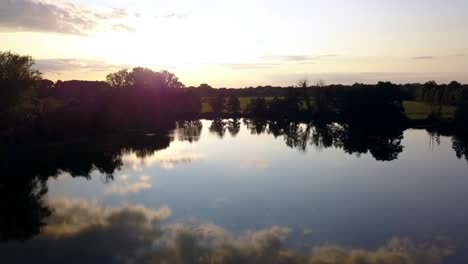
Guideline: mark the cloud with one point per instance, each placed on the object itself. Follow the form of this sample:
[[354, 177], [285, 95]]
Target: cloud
[[293, 58], [172, 16], [124, 186], [72, 217], [58, 17], [123, 28], [424, 58], [166, 160], [86, 232], [369, 77], [301, 59], [57, 66], [248, 66]]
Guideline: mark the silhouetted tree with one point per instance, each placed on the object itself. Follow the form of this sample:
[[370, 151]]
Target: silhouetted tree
[[144, 78], [433, 94], [218, 104], [17, 82], [321, 98], [120, 79], [292, 103], [461, 114], [233, 105], [257, 107], [304, 85]]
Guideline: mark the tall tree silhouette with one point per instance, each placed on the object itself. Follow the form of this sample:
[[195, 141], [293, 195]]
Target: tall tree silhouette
[[17, 82], [233, 105]]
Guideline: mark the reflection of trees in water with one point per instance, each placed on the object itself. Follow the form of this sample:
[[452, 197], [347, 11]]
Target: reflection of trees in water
[[189, 130], [219, 127], [23, 212], [459, 140], [460, 145], [384, 143], [25, 172], [233, 126], [256, 126]]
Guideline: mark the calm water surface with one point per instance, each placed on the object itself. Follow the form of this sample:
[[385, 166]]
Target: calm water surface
[[224, 193]]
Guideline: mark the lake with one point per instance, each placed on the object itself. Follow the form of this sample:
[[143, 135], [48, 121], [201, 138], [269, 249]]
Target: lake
[[240, 191]]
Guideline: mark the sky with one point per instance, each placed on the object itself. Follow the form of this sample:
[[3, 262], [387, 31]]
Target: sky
[[243, 42]]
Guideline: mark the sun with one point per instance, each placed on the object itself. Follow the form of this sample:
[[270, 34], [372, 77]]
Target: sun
[[173, 45]]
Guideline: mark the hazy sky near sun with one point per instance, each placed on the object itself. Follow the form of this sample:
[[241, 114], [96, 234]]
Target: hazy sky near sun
[[243, 42]]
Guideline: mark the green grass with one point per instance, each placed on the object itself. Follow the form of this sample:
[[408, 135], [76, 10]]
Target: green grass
[[413, 109], [244, 102], [206, 107], [420, 110]]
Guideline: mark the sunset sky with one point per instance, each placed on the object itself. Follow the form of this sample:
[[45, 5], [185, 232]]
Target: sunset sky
[[243, 42]]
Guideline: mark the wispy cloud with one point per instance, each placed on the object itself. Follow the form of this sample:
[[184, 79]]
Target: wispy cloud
[[162, 159], [369, 77], [123, 27], [293, 58], [126, 185], [298, 59], [58, 66], [248, 66], [58, 17], [424, 58], [172, 16]]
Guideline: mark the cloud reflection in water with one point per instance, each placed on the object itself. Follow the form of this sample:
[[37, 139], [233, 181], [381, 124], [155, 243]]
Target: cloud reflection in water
[[85, 232]]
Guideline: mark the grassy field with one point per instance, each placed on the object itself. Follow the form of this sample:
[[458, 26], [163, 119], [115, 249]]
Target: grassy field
[[244, 101], [413, 109], [420, 110]]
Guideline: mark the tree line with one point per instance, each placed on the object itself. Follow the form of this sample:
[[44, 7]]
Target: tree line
[[143, 99]]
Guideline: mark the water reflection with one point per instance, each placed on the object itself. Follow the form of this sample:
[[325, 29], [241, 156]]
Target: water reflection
[[188, 130], [84, 232], [58, 228], [384, 143], [23, 211], [219, 126], [460, 145]]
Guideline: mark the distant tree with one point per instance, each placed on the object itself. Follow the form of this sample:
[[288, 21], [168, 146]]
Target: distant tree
[[455, 85], [17, 82], [304, 84], [170, 80], [461, 114], [276, 108], [204, 86], [292, 103], [455, 90], [257, 107], [431, 94], [119, 79], [321, 97], [144, 78], [233, 105], [218, 103]]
